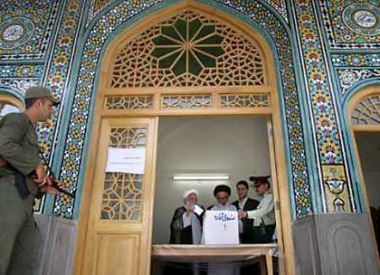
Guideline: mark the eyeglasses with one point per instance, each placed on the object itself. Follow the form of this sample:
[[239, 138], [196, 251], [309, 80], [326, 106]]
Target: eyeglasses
[[222, 198]]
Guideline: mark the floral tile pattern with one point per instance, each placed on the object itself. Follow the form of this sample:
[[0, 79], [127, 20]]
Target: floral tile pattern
[[26, 28]]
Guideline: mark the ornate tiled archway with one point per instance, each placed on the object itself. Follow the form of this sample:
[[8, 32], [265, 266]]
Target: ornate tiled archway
[[116, 19], [189, 59]]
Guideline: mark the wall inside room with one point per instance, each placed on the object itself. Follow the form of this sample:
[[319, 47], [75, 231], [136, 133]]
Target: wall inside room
[[236, 145], [369, 150]]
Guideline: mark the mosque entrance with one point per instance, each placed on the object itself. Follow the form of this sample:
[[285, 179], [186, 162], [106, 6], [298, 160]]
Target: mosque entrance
[[186, 61]]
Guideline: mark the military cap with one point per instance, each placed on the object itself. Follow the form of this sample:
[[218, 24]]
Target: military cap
[[40, 92], [258, 180]]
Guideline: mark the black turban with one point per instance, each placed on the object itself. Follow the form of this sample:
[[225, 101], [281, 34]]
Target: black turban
[[222, 188]]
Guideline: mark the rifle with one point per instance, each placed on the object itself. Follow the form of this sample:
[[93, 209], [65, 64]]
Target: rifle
[[55, 181]]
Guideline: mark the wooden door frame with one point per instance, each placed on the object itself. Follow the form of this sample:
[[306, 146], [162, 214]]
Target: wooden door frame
[[280, 195], [90, 188], [278, 160]]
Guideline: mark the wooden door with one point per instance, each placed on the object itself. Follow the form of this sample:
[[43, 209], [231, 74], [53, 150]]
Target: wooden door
[[118, 235]]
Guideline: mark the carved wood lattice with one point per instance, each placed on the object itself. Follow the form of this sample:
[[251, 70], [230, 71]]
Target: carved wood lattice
[[129, 102], [367, 111], [244, 100], [186, 101], [122, 193], [189, 49]]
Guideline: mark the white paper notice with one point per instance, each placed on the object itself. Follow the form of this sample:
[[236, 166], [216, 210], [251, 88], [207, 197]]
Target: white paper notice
[[126, 160], [221, 227]]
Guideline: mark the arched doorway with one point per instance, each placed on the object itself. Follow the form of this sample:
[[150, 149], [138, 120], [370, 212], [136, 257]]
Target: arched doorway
[[364, 114], [187, 60], [9, 104]]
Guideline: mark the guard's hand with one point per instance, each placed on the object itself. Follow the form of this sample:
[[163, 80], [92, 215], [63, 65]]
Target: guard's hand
[[52, 186], [60, 184], [40, 178], [242, 214], [49, 189], [3, 162]]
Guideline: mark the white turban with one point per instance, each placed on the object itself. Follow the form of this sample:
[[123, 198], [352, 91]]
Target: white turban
[[188, 192]]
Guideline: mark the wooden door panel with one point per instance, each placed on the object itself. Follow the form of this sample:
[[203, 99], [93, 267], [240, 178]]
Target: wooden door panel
[[120, 218], [117, 254]]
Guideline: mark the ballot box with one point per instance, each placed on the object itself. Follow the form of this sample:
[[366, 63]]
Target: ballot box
[[221, 227]]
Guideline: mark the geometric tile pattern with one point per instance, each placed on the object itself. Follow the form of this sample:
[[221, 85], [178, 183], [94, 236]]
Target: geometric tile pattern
[[280, 7], [96, 7], [26, 28], [57, 73], [363, 19], [351, 24], [357, 59], [64, 206], [57, 78], [32, 52], [327, 133], [318, 87], [21, 71]]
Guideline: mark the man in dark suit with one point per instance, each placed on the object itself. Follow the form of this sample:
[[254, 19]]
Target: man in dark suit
[[246, 232], [245, 203]]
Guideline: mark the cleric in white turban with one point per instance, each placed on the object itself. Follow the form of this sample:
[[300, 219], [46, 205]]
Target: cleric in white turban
[[186, 225]]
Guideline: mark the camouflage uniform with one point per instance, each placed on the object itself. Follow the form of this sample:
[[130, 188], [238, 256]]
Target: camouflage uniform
[[18, 232]]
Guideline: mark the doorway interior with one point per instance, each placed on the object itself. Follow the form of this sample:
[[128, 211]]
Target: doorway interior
[[368, 144], [236, 146]]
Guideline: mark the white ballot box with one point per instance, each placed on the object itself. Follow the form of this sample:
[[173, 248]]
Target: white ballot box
[[221, 227]]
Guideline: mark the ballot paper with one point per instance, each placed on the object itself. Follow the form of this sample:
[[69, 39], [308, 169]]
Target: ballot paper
[[198, 210], [221, 227]]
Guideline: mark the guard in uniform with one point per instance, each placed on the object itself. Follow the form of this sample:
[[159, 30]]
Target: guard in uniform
[[22, 177], [264, 217]]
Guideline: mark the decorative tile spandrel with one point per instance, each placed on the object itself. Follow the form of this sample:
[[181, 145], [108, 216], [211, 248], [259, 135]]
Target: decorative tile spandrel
[[335, 188]]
